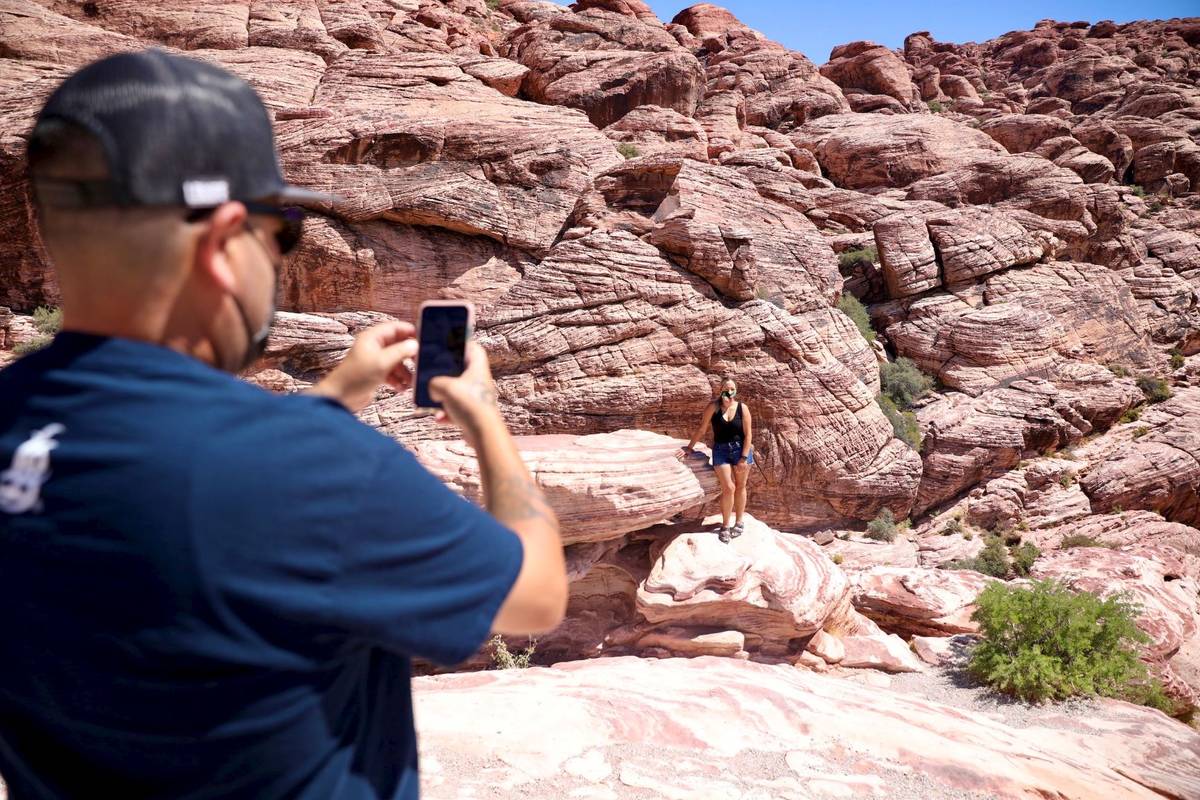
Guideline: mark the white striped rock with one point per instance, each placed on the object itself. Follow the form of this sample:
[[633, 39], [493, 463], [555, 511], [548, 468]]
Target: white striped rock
[[914, 601], [724, 728]]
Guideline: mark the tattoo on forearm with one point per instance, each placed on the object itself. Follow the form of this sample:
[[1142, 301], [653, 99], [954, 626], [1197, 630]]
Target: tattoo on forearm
[[516, 498]]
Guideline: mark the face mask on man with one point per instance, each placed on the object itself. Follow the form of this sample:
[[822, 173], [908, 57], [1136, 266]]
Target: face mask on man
[[257, 338]]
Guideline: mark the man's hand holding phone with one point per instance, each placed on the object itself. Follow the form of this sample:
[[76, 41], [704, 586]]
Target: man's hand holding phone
[[378, 356], [469, 400]]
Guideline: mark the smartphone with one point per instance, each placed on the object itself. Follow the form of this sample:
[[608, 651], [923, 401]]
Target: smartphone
[[443, 328]]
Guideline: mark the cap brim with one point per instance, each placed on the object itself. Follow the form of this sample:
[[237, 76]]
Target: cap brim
[[295, 195]]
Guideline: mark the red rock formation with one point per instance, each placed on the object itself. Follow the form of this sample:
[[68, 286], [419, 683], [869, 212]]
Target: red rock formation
[[1158, 471]]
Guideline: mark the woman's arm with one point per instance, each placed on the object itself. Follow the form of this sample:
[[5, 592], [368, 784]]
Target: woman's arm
[[747, 430], [705, 421]]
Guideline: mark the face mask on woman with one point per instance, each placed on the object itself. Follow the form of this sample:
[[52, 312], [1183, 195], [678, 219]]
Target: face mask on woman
[[728, 394]]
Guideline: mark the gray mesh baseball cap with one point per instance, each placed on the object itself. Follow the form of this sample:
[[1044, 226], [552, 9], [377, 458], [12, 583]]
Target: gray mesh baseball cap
[[176, 132]]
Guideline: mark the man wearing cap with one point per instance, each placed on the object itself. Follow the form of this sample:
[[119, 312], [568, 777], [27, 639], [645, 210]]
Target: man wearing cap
[[210, 590]]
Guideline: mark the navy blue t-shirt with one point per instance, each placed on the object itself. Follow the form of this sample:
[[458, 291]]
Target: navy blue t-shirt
[[208, 590]]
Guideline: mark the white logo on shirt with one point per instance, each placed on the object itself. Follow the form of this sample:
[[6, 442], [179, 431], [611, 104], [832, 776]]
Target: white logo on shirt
[[21, 484]]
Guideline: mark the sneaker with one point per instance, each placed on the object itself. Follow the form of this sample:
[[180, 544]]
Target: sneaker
[[738, 530]]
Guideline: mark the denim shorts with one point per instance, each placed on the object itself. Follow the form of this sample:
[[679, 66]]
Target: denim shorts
[[729, 453]]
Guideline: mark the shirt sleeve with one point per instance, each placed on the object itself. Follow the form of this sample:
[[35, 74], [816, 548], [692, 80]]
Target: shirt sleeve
[[421, 570]]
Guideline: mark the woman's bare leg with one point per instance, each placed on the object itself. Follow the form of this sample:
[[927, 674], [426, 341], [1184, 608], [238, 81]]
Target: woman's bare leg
[[741, 475], [725, 475]]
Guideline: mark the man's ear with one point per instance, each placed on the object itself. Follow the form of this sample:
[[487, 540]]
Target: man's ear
[[212, 248]]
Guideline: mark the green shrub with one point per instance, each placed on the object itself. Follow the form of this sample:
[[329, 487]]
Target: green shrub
[[1067, 480], [1138, 190], [838, 558], [628, 150], [883, 527], [1023, 525], [503, 658], [1046, 642], [1118, 370], [904, 382], [1081, 540], [992, 559], [32, 346], [952, 527], [1176, 358], [1155, 389], [493, 4], [48, 321], [1023, 557], [935, 107], [1132, 415], [904, 423], [968, 535], [1140, 432], [863, 255], [852, 308]]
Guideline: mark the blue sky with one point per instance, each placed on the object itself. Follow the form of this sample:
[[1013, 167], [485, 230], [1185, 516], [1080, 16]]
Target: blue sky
[[814, 28]]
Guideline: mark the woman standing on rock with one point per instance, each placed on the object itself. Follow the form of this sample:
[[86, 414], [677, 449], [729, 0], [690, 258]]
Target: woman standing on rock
[[732, 453]]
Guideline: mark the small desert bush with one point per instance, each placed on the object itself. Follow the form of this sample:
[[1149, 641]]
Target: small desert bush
[[838, 558], [863, 255], [1155, 389], [904, 423], [992, 559], [1023, 556], [936, 107], [1132, 415], [952, 527], [1140, 432], [1138, 190], [852, 308], [883, 527], [48, 321], [1067, 480], [1118, 370], [628, 150], [1081, 540], [1046, 642], [503, 658], [904, 382], [1176, 358]]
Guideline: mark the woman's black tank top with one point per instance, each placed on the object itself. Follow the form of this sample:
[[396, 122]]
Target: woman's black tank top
[[730, 431]]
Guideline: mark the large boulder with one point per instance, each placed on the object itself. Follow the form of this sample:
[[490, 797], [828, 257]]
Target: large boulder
[[869, 68], [866, 151], [601, 486], [918, 602], [414, 139], [971, 439], [1158, 471], [605, 63]]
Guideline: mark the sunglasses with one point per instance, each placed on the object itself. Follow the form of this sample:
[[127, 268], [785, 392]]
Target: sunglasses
[[288, 235]]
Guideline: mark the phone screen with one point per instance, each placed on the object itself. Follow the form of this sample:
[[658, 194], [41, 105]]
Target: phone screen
[[443, 344]]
